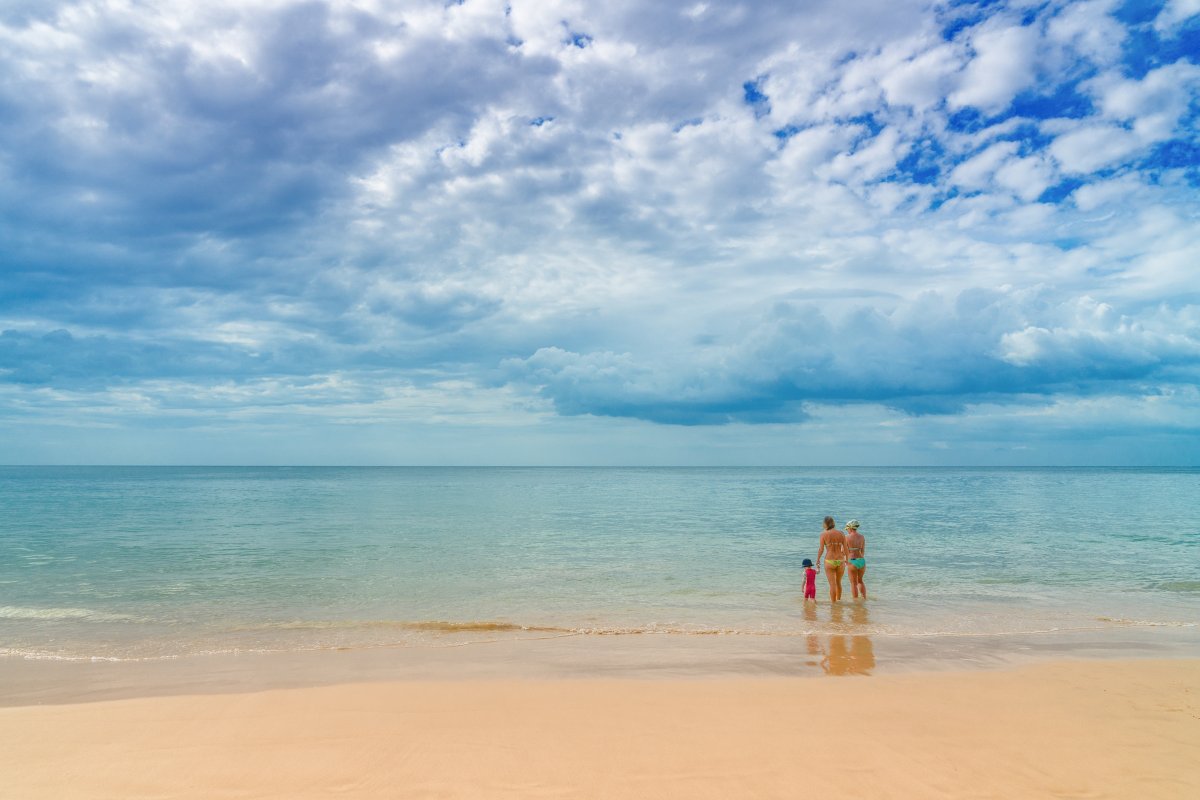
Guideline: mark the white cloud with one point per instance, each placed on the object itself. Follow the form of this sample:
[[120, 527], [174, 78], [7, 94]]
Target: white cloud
[[1154, 104], [1089, 29], [1175, 12], [814, 147], [1003, 65], [922, 81], [1087, 149], [1096, 195], [1027, 178], [1093, 331], [872, 159], [977, 172]]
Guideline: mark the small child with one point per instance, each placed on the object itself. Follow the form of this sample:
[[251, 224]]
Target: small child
[[810, 580]]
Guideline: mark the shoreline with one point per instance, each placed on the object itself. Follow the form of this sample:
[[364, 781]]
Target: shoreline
[[657, 657], [1102, 728]]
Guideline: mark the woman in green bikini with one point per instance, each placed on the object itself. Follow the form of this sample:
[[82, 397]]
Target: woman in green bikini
[[833, 547], [856, 548]]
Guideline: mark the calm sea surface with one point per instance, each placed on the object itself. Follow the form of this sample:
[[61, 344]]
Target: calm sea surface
[[112, 562]]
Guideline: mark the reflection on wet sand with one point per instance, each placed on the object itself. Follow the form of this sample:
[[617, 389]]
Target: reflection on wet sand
[[842, 651]]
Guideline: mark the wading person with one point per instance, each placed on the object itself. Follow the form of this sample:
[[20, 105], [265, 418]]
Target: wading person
[[856, 549], [833, 547]]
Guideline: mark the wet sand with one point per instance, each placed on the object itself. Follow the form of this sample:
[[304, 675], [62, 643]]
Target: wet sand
[[1060, 729], [506, 656]]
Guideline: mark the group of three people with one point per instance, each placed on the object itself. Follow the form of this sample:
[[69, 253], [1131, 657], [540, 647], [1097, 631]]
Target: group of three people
[[843, 551]]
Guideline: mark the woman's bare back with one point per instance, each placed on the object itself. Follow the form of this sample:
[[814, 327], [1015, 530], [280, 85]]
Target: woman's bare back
[[834, 542]]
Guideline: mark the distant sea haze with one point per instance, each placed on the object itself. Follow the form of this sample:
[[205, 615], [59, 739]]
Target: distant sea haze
[[153, 562]]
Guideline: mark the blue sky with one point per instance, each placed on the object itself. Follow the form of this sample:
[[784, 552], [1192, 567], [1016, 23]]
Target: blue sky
[[562, 232]]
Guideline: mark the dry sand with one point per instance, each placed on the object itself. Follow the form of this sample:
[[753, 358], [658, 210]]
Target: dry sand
[[1120, 729]]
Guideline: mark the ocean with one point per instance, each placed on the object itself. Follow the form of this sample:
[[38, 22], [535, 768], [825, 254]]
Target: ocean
[[143, 563]]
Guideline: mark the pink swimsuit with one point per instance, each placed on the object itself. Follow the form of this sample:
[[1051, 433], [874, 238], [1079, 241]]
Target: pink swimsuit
[[810, 583]]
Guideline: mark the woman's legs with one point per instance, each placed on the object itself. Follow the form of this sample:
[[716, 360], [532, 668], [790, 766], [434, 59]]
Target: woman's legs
[[857, 586], [834, 574]]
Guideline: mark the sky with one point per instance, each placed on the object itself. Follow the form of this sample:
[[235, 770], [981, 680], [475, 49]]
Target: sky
[[813, 232]]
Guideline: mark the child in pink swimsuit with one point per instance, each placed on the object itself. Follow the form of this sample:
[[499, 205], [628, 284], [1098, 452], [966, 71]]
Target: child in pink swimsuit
[[810, 580]]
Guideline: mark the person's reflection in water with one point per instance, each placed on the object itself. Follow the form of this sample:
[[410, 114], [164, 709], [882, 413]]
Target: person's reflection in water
[[813, 639], [846, 653], [862, 651]]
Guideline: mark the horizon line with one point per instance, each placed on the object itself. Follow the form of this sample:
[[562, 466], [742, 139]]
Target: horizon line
[[618, 466]]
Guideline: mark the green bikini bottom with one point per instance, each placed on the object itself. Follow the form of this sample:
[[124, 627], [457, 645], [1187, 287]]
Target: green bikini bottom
[[858, 563]]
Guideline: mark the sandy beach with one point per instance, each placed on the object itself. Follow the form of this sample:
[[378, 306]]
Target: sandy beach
[[1058, 729]]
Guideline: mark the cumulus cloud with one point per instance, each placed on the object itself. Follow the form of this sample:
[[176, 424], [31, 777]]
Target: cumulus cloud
[[1096, 337], [1084, 150], [1003, 64], [934, 353], [922, 80], [1153, 105], [224, 119], [977, 171], [1089, 29]]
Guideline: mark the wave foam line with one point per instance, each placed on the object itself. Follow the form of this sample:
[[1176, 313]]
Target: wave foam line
[[23, 612], [485, 627], [41, 655], [428, 626], [476, 626], [1146, 623]]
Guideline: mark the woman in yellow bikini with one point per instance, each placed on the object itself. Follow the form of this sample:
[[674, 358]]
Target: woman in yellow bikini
[[833, 547]]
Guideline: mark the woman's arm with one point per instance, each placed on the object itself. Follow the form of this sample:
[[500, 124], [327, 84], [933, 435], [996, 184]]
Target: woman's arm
[[820, 549]]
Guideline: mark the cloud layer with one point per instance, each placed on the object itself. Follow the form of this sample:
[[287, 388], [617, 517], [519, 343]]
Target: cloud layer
[[538, 216]]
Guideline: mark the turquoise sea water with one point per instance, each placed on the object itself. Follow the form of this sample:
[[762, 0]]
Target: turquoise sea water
[[114, 562]]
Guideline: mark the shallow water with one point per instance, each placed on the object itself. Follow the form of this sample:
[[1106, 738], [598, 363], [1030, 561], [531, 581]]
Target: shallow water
[[113, 562]]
